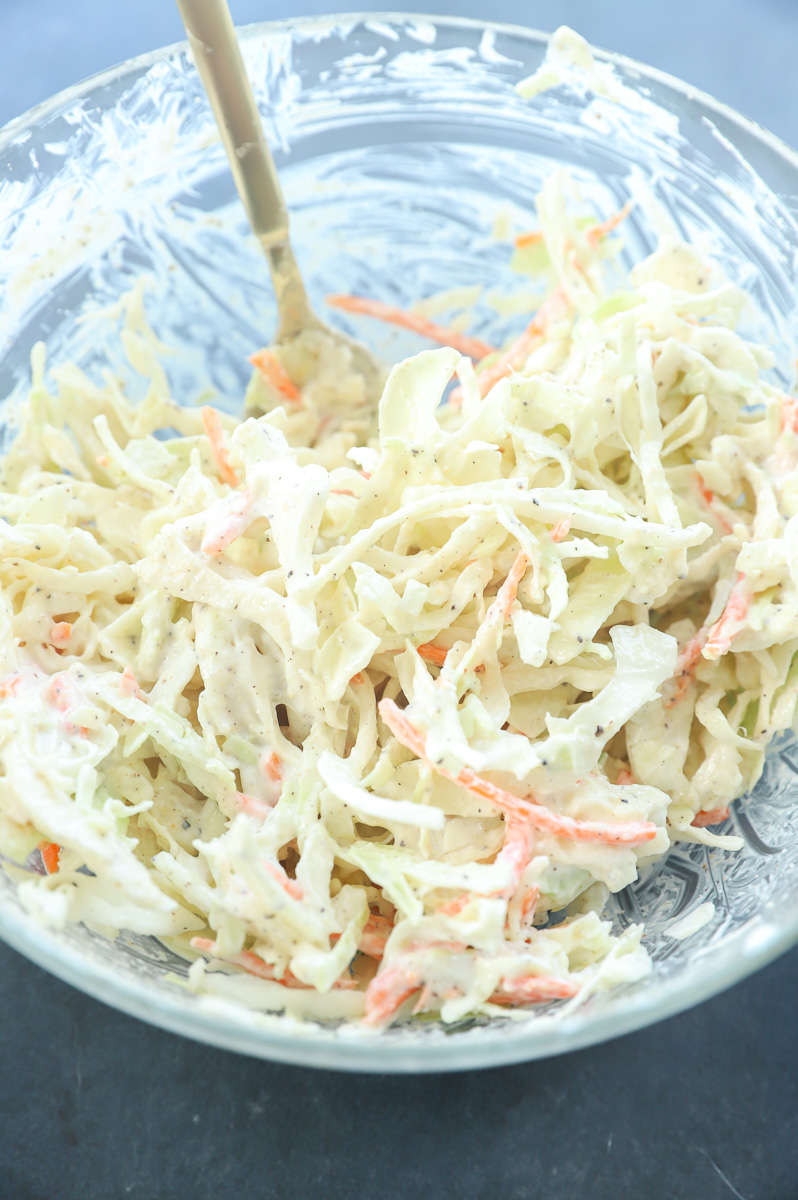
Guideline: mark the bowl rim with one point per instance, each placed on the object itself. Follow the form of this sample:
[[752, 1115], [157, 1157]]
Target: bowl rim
[[490, 1045]]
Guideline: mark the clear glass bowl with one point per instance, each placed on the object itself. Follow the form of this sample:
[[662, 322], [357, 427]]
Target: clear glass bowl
[[399, 140]]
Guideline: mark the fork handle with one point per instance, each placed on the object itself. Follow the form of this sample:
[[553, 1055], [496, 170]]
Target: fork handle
[[213, 41]]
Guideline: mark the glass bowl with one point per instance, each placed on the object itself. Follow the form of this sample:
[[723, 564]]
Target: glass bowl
[[406, 156]]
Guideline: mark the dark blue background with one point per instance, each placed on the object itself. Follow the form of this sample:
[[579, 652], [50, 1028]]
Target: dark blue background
[[702, 1107]]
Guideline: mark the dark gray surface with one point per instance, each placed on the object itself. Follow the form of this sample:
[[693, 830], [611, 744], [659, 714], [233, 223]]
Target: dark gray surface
[[95, 1106], [702, 1107]]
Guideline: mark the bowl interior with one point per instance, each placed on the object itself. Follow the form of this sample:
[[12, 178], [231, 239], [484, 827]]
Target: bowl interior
[[408, 161]]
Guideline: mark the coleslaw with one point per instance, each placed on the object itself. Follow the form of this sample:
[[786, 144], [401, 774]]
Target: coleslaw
[[353, 719]]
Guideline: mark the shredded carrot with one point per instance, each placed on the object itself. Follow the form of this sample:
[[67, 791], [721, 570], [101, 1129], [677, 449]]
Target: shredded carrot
[[10, 685], [223, 530], [726, 628], [532, 238], [247, 961], [215, 434], [789, 414], [515, 853], [597, 232], [60, 694], [102, 460], [341, 492], [375, 934], [503, 602], [358, 678], [712, 816], [453, 907], [529, 902], [537, 815], [707, 495], [718, 639], [594, 234], [625, 777], [713, 504], [252, 806], [500, 606], [256, 966], [65, 696], [473, 347], [272, 766], [505, 597], [60, 633], [533, 989], [51, 853], [517, 353], [290, 886], [686, 665], [128, 685], [275, 373], [388, 990], [785, 457], [432, 654], [561, 530]]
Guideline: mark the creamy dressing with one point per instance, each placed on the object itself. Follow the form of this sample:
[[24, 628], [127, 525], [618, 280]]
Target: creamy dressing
[[349, 704]]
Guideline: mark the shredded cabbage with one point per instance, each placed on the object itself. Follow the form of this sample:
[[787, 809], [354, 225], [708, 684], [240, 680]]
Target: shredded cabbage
[[345, 719]]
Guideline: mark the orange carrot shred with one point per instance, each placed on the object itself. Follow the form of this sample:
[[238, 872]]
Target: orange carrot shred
[[711, 816], [374, 936], [561, 530], [51, 853], [597, 232], [60, 633], [506, 595], [252, 806], [594, 234], [10, 685], [66, 695], [515, 853], [531, 897], [128, 685], [388, 990], [789, 414], [517, 353], [275, 373], [713, 504], [290, 886], [215, 434], [533, 989], [528, 239], [432, 654], [272, 766], [435, 654], [453, 907], [686, 665], [537, 815], [255, 965], [471, 346], [726, 628]]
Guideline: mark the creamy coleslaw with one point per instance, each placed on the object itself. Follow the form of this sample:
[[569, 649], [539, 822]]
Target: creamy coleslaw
[[372, 722]]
